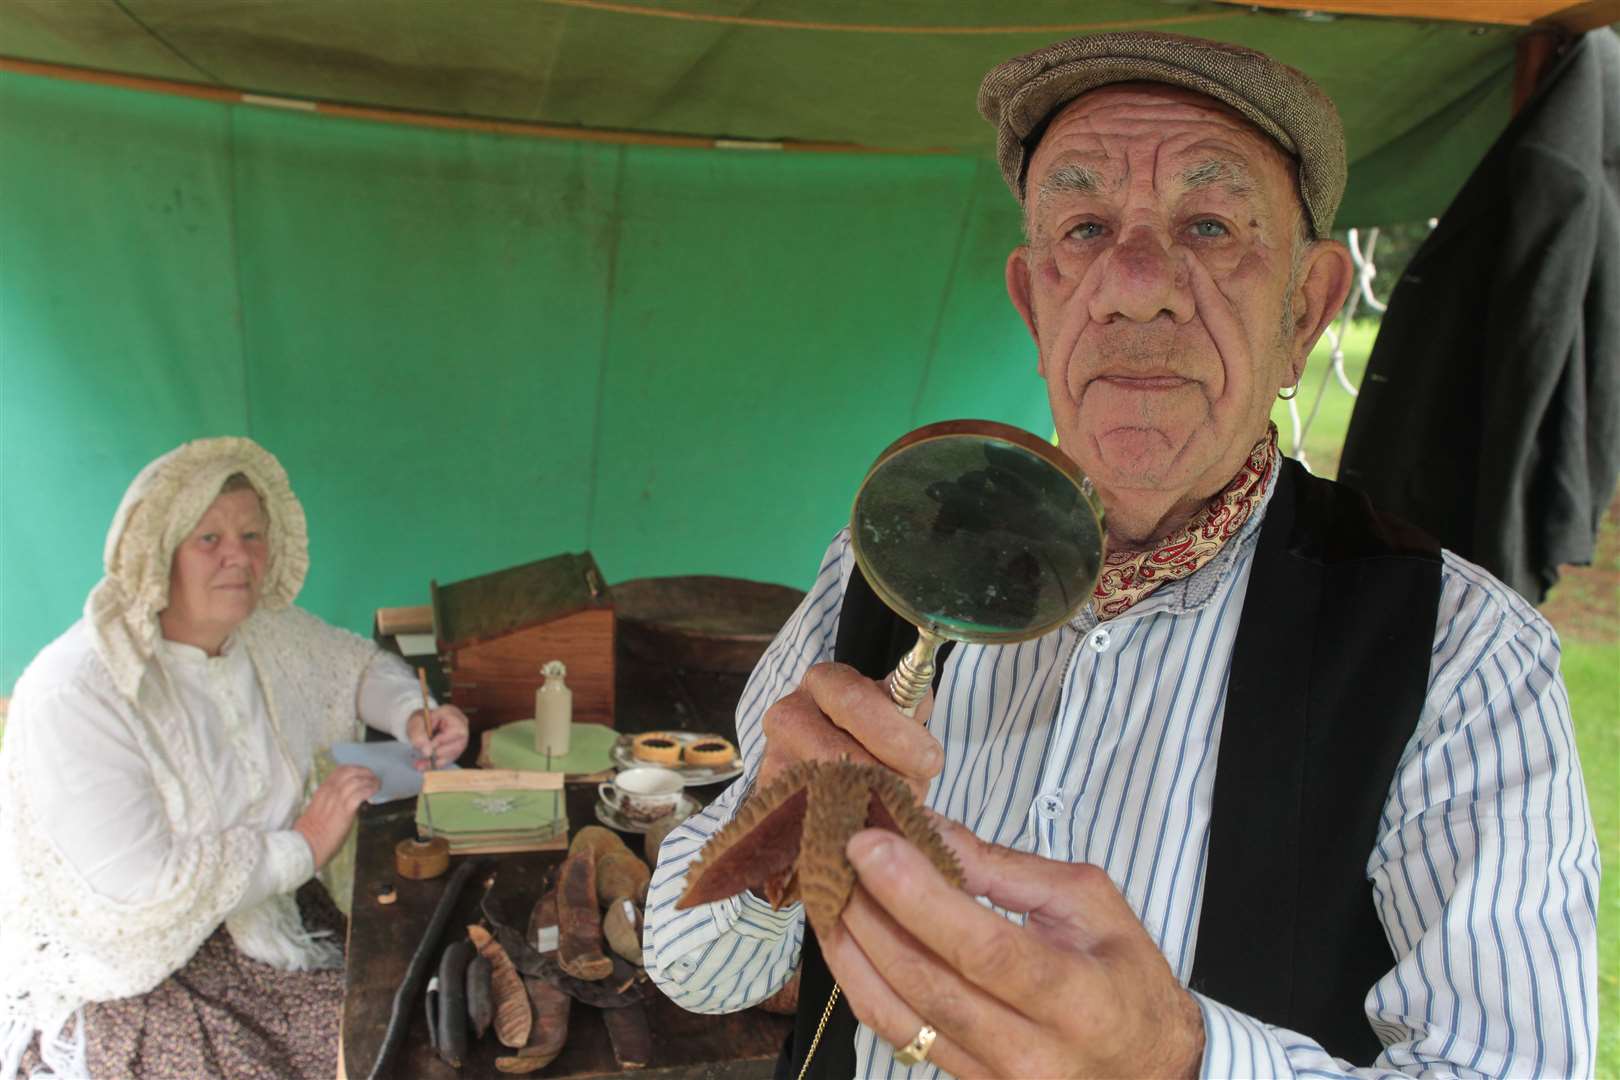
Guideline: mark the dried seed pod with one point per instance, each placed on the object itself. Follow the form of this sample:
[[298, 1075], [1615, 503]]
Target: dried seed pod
[[547, 1033], [451, 1026], [621, 874], [579, 920], [512, 1013], [630, 1035], [622, 928], [480, 995], [599, 840], [787, 841], [654, 837]]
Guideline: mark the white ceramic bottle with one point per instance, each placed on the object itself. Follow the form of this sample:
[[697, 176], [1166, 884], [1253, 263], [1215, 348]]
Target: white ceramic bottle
[[553, 711]]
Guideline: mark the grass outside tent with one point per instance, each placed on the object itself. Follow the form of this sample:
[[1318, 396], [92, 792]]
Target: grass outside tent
[[1585, 610]]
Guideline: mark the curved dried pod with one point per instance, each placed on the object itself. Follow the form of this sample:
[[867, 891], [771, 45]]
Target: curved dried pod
[[448, 1008], [598, 840], [619, 873], [513, 1016], [547, 1033], [579, 920], [653, 839]]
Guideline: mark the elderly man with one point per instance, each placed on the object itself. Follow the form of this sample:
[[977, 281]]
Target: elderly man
[[1296, 794]]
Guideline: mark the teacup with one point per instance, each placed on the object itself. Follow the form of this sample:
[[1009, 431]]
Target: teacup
[[643, 794]]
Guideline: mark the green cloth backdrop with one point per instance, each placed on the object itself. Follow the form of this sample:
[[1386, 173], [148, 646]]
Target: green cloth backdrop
[[472, 351]]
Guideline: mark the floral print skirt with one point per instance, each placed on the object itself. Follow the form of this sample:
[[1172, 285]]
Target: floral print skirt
[[224, 1015]]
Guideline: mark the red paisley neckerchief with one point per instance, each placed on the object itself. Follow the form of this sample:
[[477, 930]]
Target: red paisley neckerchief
[[1129, 576]]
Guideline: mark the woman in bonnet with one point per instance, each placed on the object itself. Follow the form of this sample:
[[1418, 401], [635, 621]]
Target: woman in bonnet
[[158, 810]]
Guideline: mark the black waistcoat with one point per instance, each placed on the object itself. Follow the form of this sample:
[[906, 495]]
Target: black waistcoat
[[1328, 677]]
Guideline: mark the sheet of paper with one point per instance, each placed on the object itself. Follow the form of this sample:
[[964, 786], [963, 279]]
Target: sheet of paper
[[394, 763], [416, 644]]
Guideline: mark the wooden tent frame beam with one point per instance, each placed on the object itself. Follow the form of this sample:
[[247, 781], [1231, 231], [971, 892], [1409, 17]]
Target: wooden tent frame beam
[[1576, 18]]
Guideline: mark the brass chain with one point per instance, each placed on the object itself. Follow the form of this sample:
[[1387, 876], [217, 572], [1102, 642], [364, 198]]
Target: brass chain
[[826, 1014]]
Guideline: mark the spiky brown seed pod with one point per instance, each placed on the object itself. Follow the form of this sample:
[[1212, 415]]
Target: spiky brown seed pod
[[787, 840]]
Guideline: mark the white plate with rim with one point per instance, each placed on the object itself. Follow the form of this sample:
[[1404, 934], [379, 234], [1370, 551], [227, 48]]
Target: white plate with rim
[[624, 756]]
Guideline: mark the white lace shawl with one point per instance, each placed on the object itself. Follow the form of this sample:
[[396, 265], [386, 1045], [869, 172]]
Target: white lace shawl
[[62, 944]]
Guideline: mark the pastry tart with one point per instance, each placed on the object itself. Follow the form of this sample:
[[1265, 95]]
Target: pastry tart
[[709, 751], [657, 747]]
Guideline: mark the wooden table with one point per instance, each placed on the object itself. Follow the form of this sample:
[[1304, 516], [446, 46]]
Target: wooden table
[[382, 938]]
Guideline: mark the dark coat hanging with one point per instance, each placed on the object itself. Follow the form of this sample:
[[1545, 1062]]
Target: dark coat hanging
[[1490, 412]]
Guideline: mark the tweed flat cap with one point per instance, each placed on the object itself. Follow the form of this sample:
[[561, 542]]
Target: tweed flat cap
[[1020, 96]]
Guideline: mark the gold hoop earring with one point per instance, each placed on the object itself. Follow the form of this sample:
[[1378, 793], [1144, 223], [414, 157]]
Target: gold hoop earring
[[1289, 393]]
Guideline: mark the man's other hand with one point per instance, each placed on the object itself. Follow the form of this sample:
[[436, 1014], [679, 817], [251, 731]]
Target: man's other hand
[[1079, 990], [835, 713]]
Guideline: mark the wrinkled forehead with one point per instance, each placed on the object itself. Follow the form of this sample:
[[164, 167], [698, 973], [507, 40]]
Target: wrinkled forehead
[[1181, 125]]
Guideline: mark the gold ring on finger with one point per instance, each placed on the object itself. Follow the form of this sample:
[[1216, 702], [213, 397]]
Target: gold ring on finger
[[915, 1052]]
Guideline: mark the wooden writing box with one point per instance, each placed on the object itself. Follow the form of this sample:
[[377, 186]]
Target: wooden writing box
[[495, 631]]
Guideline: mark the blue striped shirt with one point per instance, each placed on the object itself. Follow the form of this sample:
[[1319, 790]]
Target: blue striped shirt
[[1097, 743]]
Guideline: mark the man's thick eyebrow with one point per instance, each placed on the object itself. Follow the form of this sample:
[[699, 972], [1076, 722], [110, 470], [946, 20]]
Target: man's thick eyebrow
[[1072, 178], [1235, 175]]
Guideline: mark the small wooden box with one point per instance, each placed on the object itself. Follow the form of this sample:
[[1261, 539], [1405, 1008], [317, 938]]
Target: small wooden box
[[494, 632]]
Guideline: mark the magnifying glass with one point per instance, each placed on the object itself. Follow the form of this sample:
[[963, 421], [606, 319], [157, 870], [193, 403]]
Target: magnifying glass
[[977, 532]]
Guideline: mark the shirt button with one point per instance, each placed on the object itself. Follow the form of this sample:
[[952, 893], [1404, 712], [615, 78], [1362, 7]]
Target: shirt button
[[1050, 806], [1099, 639]]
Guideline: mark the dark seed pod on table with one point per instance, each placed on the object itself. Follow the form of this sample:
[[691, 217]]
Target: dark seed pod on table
[[451, 1026], [480, 1000], [631, 1036], [579, 920]]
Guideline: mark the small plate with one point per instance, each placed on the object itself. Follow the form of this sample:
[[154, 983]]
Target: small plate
[[614, 820], [624, 756]]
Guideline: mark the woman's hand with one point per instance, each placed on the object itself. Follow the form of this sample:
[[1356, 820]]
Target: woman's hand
[[326, 821], [438, 737]]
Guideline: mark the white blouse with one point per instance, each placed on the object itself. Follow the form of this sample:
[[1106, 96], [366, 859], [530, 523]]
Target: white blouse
[[105, 815]]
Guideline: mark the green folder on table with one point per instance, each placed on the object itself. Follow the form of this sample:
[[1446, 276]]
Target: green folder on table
[[479, 810]]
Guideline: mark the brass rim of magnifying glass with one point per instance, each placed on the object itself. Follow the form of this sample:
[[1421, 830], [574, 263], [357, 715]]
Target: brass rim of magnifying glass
[[1007, 433]]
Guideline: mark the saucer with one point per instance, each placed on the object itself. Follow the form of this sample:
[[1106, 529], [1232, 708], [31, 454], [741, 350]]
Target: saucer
[[614, 820]]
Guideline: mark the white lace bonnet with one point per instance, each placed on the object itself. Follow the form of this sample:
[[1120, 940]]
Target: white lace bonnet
[[159, 510]]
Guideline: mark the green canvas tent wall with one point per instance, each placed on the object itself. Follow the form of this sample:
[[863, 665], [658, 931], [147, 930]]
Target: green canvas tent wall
[[505, 279]]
